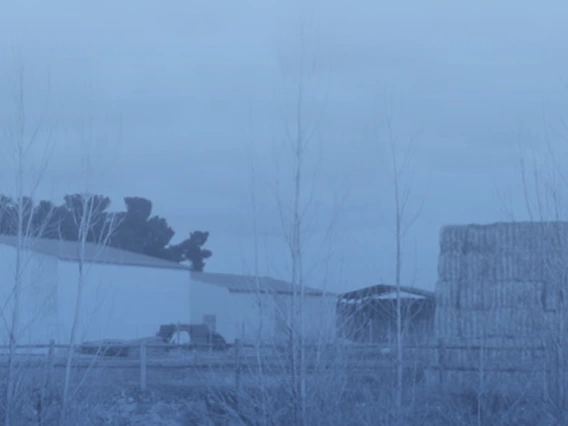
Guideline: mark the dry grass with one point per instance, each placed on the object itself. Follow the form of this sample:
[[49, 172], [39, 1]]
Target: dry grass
[[339, 393], [332, 401]]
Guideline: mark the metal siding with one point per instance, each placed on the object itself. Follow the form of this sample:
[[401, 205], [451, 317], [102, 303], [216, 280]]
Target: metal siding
[[122, 302]]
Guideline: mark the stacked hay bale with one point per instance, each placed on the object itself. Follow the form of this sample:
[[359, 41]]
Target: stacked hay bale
[[499, 300]]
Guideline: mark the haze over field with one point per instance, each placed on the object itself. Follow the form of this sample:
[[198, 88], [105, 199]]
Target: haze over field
[[183, 96]]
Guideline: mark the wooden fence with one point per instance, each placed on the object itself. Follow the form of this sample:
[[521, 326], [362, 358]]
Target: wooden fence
[[437, 361]]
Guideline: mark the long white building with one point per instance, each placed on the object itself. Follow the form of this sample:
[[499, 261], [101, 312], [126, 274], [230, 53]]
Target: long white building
[[129, 295]]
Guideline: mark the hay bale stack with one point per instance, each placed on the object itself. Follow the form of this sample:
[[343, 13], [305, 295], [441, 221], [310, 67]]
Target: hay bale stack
[[501, 285]]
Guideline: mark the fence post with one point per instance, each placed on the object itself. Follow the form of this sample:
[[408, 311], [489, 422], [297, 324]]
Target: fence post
[[46, 380], [49, 364], [143, 365], [50, 355], [238, 354], [441, 361]]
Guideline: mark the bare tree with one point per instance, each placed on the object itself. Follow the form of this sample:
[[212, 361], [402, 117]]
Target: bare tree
[[88, 220], [542, 195], [295, 215], [28, 143], [295, 194], [544, 201], [404, 219], [94, 226]]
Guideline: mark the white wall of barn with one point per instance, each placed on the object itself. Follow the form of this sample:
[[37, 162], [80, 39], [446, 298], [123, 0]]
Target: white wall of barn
[[210, 299], [257, 316], [122, 302], [250, 316], [320, 324], [239, 315], [37, 310], [320, 318]]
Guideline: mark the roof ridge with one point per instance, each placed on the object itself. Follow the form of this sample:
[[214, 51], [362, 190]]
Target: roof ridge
[[96, 253]]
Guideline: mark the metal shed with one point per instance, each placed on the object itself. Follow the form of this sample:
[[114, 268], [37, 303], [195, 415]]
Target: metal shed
[[369, 314]]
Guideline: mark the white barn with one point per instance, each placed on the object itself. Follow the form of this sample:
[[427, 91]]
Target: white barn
[[252, 308], [126, 295], [129, 295]]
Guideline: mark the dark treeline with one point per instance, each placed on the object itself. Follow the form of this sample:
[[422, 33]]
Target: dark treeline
[[135, 229]]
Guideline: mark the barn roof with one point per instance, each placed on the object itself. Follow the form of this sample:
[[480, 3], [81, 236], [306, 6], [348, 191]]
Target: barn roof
[[387, 291], [250, 284], [94, 253]]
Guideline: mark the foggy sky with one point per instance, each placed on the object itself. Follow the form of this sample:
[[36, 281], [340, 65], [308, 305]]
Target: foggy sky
[[183, 97]]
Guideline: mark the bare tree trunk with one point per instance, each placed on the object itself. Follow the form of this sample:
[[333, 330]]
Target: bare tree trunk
[[297, 258], [292, 225], [402, 192], [72, 338], [398, 267], [90, 211], [256, 268], [399, 345], [21, 139], [544, 204], [293, 222], [16, 291]]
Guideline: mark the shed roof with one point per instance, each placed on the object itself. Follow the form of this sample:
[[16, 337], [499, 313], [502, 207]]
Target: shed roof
[[250, 284], [94, 253], [386, 291]]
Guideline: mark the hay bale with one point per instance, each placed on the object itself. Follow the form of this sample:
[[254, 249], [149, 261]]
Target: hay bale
[[509, 237], [520, 265], [501, 284]]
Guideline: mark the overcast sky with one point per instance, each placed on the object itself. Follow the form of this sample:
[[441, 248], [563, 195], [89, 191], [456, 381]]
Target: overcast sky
[[176, 101]]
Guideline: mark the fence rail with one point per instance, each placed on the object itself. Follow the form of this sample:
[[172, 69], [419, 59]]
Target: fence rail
[[240, 359]]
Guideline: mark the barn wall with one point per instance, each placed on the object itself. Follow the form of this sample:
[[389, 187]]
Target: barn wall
[[38, 295], [321, 318], [240, 315], [122, 302], [255, 314], [250, 316], [209, 299], [265, 316]]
